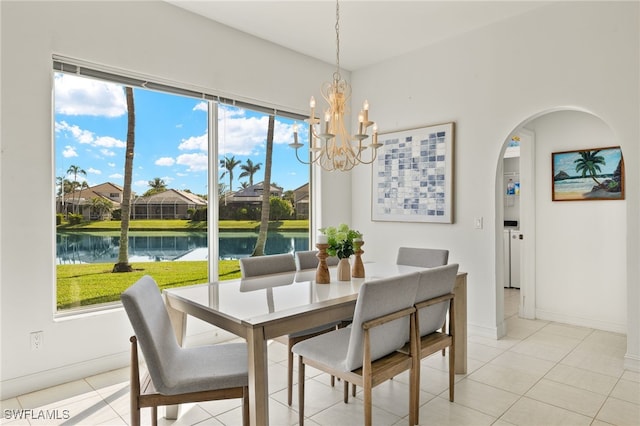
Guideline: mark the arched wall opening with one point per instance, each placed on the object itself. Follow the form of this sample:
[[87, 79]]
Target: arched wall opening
[[574, 252]]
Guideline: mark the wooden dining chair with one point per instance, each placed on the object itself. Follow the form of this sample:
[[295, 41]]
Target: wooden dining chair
[[279, 263], [425, 258], [308, 259], [366, 354], [175, 374], [434, 298]]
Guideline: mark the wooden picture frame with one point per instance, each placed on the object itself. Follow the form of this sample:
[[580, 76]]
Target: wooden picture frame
[[587, 174], [412, 177]]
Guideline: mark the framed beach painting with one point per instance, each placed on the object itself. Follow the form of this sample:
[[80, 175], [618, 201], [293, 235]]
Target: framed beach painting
[[588, 174], [413, 175]]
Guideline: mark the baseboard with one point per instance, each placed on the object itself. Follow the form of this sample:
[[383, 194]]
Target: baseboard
[[632, 362], [581, 321], [56, 376], [483, 331]]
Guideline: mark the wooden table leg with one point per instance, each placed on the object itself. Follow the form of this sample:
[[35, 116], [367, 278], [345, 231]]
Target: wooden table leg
[[460, 320], [258, 377]]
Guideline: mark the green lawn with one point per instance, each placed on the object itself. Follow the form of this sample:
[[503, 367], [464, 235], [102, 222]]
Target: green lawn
[[90, 284], [184, 225]]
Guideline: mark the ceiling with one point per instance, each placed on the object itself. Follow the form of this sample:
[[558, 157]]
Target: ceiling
[[370, 31]]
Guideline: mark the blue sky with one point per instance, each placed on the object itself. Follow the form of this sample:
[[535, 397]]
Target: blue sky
[[171, 137], [565, 162]]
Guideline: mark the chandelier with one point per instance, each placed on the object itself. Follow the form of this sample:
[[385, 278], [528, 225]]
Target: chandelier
[[330, 145]]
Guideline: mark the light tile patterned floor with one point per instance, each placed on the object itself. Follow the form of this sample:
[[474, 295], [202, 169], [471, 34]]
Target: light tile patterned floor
[[540, 374]]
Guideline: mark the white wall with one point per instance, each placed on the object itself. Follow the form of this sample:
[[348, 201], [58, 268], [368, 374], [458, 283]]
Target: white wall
[[490, 82], [580, 251], [153, 38]]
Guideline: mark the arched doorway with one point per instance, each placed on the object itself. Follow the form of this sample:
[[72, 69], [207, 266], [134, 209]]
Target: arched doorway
[[573, 254]]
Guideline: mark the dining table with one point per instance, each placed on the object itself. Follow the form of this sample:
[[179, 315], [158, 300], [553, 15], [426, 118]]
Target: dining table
[[262, 308]]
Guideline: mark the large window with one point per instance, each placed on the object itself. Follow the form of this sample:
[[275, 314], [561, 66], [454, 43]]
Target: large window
[[180, 173]]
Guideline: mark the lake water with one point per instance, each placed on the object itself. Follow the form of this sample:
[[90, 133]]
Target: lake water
[[159, 246]]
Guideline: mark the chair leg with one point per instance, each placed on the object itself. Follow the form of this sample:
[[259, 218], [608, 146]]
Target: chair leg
[[452, 371], [353, 390], [345, 397], [245, 406], [289, 373], [300, 390], [444, 330], [154, 415]]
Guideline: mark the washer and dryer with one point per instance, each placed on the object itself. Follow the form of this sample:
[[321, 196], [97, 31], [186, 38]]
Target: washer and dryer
[[511, 243]]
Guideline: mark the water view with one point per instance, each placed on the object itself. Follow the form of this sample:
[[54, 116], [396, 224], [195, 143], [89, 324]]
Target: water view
[[102, 247]]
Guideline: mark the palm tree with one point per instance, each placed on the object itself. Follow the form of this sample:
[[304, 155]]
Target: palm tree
[[228, 164], [75, 171], [244, 185], [157, 185], [123, 252], [100, 206], [249, 169], [589, 163], [266, 194]]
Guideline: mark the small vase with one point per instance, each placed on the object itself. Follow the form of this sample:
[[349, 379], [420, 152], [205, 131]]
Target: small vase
[[344, 270]]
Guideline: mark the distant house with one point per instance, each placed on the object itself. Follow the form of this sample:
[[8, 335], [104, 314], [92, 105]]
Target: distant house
[[301, 201], [79, 201], [169, 204], [251, 195]]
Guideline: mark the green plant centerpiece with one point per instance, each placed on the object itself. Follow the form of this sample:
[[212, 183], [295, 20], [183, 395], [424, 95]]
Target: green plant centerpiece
[[341, 240], [342, 243]]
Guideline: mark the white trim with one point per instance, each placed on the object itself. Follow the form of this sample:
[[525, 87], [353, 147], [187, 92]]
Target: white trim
[[43, 379], [480, 330], [560, 317], [632, 362]]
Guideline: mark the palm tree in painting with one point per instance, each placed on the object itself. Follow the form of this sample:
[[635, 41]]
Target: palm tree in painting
[[266, 193], [589, 163], [75, 171], [123, 251], [249, 169], [228, 164]]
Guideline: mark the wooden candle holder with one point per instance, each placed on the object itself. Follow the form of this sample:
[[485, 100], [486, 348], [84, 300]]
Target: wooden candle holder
[[322, 273], [357, 271]]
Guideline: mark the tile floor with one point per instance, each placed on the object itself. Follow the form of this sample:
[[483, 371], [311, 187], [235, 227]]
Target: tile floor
[[540, 374]]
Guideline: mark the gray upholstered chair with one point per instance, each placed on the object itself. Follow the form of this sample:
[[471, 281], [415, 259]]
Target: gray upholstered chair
[[177, 375], [278, 263], [309, 260], [366, 354], [264, 265], [433, 299], [423, 257]]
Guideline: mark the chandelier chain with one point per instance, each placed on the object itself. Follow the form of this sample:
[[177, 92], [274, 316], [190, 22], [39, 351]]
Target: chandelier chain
[[338, 40]]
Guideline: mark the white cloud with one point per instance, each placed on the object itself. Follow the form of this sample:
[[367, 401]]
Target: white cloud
[[165, 161], [141, 183], [199, 143], [84, 96], [87, 137], [111, 164], [182, 174], [116, 176], [107, 152], [202, 106], [242, 135], [109, 142], [69, 152], [194, 162], [94, 171]]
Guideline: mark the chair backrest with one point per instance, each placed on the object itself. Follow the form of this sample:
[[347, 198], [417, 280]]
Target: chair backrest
[[152, 327], [433, 283], [265, 265], [309, 260], [424, 257], [375, 299]]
